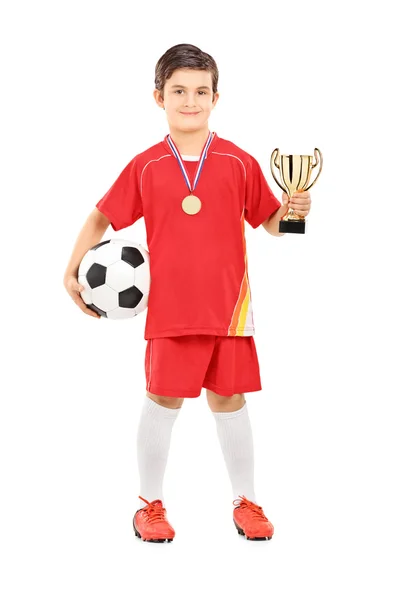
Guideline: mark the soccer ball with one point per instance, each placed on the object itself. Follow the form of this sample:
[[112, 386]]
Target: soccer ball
[[115, 275]]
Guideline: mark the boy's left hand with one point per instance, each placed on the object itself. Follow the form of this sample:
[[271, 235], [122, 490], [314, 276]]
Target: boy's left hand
[[300, 202]]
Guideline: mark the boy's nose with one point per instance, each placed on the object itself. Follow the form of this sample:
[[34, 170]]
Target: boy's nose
[[190, 101]]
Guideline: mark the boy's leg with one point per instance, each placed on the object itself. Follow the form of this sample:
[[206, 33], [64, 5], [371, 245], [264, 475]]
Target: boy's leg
[[153, 442], [236, 439], [233, 368], [176, 366]]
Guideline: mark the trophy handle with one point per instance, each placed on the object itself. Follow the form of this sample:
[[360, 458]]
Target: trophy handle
[[314, 165], [274, 161]]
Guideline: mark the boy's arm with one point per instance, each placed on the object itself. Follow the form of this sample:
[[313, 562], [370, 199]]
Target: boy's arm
[[272, 223], [90, 234]]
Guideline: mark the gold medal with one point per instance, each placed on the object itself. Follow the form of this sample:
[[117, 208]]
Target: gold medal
[[191, 205]]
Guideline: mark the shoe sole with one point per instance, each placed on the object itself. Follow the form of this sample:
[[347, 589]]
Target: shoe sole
[[241, 532], [159, 540]]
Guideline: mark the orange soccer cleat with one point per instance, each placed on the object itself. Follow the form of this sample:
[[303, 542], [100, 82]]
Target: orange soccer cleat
[[250, 520], [150, 523]]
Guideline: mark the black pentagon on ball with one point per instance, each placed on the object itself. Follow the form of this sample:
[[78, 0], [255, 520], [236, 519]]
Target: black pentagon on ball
[[130, 297], [96, 275], [97, 310], [100, 244], [133, 256]]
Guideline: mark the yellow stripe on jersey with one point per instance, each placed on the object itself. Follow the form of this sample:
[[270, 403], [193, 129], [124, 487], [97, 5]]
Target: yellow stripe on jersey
[[239, 317]]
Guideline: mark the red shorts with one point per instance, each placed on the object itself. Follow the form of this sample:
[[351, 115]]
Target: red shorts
[[180, 366]]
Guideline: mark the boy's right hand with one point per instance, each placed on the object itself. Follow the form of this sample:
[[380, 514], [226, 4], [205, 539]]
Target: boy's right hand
[[74, 288]]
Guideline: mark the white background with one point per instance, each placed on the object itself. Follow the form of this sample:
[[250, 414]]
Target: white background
[[77, 103]]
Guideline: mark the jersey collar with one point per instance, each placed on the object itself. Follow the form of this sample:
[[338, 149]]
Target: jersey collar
[[210, 147]]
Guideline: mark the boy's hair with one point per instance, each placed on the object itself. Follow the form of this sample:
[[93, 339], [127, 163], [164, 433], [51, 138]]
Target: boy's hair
[[184, 56]]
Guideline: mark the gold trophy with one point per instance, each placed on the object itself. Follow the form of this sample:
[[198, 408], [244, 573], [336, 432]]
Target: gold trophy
[[295, 171]]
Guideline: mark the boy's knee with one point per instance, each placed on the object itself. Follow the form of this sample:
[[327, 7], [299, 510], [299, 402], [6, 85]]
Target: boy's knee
[[167, 401], [219, 403]]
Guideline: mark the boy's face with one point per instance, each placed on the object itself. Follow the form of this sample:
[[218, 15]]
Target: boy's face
[[187, 91]]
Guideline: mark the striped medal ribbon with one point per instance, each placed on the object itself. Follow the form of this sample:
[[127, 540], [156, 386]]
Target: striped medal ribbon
[[191, 204]]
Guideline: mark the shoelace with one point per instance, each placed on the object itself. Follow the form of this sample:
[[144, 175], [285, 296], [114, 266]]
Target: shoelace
[[154, 513], [245, 503]]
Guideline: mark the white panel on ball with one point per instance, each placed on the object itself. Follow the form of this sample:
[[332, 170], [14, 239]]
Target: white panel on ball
[[107, 254], [121, 313], [120, 276], [142, 280], [105, 298]]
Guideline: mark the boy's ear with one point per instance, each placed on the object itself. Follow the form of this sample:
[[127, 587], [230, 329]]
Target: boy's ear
[[216, 96], [158, 98]]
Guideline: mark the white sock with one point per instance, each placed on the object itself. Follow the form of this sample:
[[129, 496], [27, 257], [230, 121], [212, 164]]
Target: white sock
[[153, 442], [236, 439]]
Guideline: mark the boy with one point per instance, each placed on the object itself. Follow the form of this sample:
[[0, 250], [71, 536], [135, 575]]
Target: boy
[[194, 190]]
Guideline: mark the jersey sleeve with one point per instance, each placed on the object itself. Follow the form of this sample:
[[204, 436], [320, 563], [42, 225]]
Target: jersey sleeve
[[122, 204], [260, 201]]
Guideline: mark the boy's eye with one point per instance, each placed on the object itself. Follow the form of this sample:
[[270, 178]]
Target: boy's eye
[[200, 92]]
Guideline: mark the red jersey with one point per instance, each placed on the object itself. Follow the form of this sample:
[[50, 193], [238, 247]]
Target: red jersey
[[198, 263]]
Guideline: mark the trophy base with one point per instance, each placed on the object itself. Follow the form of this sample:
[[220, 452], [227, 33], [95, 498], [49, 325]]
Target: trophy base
[[292, 226]]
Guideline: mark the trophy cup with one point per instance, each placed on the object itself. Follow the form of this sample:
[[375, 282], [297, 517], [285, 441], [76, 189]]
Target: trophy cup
[[295, 171]]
